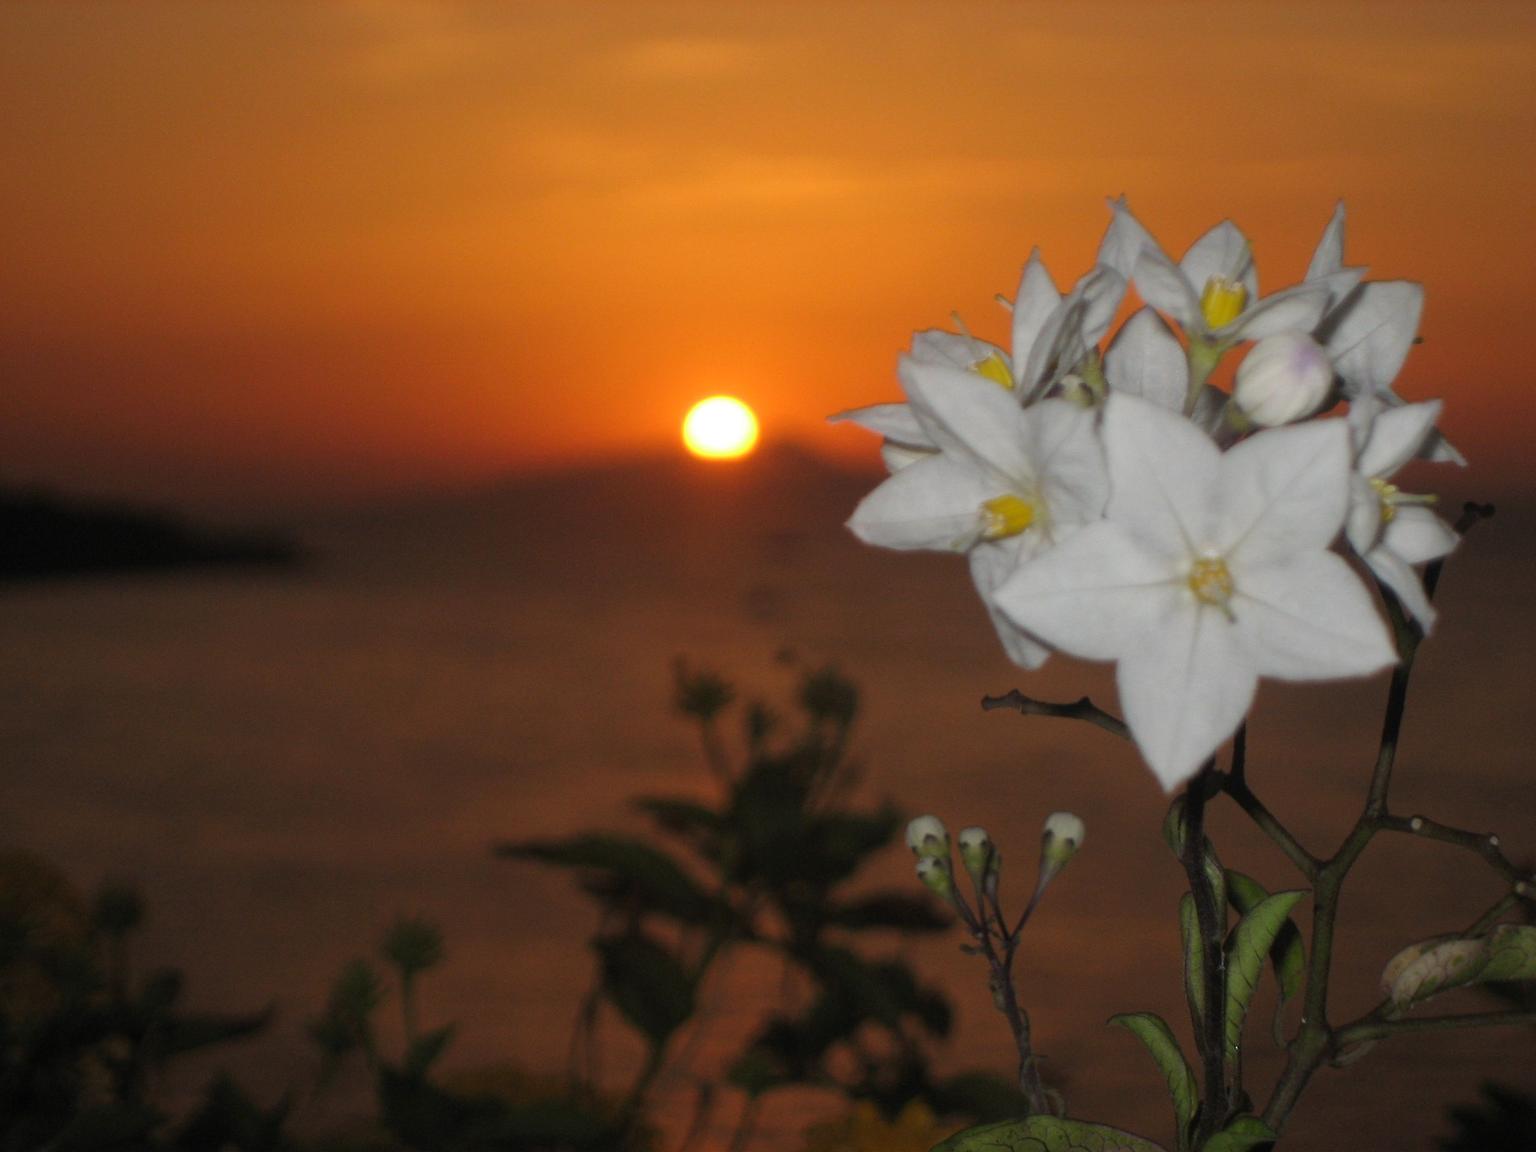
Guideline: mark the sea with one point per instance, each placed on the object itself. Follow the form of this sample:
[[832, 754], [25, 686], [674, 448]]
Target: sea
[[287, 761]]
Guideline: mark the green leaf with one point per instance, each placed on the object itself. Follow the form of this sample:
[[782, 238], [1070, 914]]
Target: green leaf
[[624, 871], [1152, 1031], [1511, 954], [646, 983], [1247, 947], [1194, 963], [1045, 1134], [1288, 954], [1242, 1135], [1430, 966]]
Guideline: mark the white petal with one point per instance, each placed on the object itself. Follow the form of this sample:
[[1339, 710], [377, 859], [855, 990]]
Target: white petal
[[970, 415], [936, 346], [1282, 491], [896, 456], [1063, 443], [1095, 595], [1162, 477], [1395, 573], [1418, 535], [1184, 691], [1362, 524], [1395, 436], [1294, 309], [1057, 349], [893, 421], [1124, 240], [1223, 252], [1310, 619], [991, 564], [1036, 300], [1340, 284], [933, 504], [1370, 333], [1329, 256], [1147, 360], [1101, 291], [1163, 286]]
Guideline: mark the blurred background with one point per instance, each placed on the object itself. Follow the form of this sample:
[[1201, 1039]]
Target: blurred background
[[343, 355]]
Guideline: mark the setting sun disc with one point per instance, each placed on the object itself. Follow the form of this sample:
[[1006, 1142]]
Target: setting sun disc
[[720, 428]]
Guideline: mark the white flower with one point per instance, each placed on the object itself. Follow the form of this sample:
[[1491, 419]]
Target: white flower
[[1146, 359], [1327, 264], [1283, 378], [1208, 571], [1004, 483], [1213, 292], [1391, 530]]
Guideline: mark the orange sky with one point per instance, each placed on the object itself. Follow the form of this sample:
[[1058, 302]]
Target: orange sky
[[259, 255]]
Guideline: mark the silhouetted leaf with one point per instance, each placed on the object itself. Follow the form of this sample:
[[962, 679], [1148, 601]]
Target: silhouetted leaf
[[1505, 1121], [624, 870], [426, 1050], [980, 1095], [646, 983], [181, 1034], [894, 911], [228, 1119]]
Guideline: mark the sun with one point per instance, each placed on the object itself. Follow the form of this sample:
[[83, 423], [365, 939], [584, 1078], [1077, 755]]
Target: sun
[[720, 428]]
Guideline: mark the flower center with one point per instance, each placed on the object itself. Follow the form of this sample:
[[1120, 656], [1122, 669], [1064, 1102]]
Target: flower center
[[1006, 515], [1222, 301], [995, 369], [1211, 582], [1391, 496]]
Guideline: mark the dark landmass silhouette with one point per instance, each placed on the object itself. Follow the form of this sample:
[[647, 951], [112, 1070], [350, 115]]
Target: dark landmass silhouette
[[44, 536]]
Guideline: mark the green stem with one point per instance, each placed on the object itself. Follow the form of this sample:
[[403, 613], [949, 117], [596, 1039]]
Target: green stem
[[1081, 709], [1211, 919], [1380, 1029]]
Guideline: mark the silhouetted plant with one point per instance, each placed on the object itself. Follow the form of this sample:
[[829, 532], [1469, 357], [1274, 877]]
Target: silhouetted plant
[[83, 1047], [763, 865]]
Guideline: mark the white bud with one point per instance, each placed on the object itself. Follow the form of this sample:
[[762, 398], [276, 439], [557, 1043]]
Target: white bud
[[975, 851], [1283, 378], [934, 872], [1062, 836], [927, 836]]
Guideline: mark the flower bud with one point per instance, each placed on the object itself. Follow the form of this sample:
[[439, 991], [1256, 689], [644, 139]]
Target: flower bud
[[1283, 378], [927, 836], [976, 851], [934, 872], [1059, 841]]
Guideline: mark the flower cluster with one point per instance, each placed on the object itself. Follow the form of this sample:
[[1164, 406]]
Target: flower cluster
[[1115, 504]]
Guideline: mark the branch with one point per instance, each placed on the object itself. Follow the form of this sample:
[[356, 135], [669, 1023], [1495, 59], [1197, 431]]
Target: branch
[[1482, 844], [1083, 709], [1379, 1030]]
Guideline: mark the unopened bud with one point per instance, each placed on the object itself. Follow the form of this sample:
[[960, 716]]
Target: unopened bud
[[976, 851], [927, 836], [1059, 841], [1283, 378], [934, 872]]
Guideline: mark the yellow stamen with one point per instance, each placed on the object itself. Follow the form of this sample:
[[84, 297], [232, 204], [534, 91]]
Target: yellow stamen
[[1006, 515], [995, 368], [1211, 582], [1391, 496], [1222, 301]]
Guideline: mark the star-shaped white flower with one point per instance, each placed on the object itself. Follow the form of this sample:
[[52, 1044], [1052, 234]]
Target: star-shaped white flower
[[1213, 292], [1051, 336], [1208, 571], [1389, 529], [1004, 483]]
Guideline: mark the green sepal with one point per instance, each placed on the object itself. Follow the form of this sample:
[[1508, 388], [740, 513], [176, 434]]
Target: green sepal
[[1154, 1032], [1045, 1134], [1288, 955], [1242, 1135], [1194, 964], [1248, 945], [1511, 954]]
